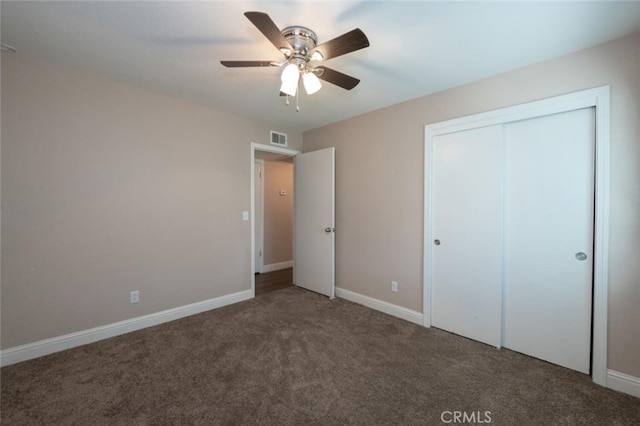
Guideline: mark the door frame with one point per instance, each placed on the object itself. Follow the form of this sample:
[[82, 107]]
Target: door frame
[[264, 148], [599, 98], [259, 217]]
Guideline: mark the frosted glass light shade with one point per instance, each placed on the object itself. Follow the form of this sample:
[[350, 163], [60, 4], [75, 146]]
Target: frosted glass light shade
[[290, 76], [311, 83]]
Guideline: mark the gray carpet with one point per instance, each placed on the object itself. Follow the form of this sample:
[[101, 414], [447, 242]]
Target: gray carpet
[[292, 357]]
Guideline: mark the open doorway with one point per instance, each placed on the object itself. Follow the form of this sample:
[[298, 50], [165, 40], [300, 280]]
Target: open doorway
[[272, 218]]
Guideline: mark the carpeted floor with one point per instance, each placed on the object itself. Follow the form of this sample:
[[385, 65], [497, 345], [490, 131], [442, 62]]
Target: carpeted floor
[[292, 357]]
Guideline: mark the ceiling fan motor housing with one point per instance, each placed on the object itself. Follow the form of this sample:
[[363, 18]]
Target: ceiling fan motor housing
[[303, 40]]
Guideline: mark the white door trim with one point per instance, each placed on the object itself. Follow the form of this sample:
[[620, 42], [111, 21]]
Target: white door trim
[[266, 148], [598, 98], [259, 219]]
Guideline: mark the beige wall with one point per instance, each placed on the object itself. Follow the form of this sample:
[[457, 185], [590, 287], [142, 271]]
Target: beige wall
[[379, 172], [278, 212], [107, 188]]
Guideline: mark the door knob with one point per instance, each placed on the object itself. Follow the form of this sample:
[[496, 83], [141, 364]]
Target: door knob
[[581, 256], [328, 229], [436, 242]]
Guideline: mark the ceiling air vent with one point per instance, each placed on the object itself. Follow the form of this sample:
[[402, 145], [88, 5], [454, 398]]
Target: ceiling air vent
[[279, 139]]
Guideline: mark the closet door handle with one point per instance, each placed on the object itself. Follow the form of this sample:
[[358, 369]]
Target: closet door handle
[[436, 242], [581, 256]]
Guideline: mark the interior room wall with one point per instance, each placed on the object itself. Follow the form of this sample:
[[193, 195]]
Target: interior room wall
[[108, 188], [278, 212], [380, 169]]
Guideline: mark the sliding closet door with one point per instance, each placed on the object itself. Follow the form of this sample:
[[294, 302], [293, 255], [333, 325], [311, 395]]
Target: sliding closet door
[[549, 237], [467, 230]]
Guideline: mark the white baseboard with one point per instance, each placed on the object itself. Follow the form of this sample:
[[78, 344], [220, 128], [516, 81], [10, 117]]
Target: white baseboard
[[68, 341], [388, 308], [623, 383], [277, 266]]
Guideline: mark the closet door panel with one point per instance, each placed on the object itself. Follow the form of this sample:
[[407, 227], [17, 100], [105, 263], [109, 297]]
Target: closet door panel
[[467, 224], [549, 237]]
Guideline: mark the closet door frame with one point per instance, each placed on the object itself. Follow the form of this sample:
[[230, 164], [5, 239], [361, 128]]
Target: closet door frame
[[597, 98]]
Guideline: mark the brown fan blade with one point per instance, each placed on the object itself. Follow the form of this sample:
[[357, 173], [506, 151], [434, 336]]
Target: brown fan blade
[[346, 43], [263, 22], [336, 77], [238, 64]]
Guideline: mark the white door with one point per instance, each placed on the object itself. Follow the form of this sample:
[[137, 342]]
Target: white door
[[467, 233], [549, 237], [259, 214], [314, 231]]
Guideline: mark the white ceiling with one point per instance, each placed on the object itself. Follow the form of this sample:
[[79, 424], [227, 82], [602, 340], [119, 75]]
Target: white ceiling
[[417, 47]]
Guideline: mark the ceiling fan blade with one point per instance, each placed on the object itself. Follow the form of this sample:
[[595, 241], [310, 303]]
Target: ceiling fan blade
[[346, 43], [263, 22], [336, 77], [238, 64]]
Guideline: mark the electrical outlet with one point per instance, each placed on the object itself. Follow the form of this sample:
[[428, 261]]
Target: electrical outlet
[[134, 296], [394, 286]]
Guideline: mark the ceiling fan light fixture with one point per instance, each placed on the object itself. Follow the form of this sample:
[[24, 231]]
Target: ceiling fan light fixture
[[317, 56], [290, 76], [311, 82]]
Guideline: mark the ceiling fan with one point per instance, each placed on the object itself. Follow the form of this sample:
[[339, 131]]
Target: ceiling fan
[[300, 48]]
